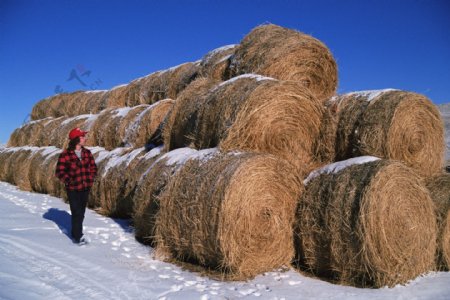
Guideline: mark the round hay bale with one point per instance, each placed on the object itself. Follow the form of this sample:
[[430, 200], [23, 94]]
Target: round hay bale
[[133, 90], [110, 127], [231, 214], [41, 109], [215, 64], [368, 224], [115, 200], [182, 119], [89, 102], [287, 54], [150, 185], [36, 174], [19, 167], [5, 154], [48, 131], [260, 114], [439, 187], [167, 83], [391, 124], [45, 174], [146, 123], [27, 134], [102, 158], [60, 136], [116, 97]]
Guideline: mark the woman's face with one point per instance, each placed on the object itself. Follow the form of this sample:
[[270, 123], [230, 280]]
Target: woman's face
[[82, 140]]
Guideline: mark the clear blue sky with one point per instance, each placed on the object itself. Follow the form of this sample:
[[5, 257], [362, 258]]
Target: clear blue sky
[[377, 44]]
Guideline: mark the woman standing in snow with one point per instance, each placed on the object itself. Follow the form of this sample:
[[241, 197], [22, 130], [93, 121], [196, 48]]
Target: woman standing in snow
[[76, 168]]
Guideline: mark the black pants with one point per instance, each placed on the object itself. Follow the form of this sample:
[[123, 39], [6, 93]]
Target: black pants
[[78, 201]]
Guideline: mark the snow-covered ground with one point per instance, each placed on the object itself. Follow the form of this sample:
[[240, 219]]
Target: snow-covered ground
[[39, 261]]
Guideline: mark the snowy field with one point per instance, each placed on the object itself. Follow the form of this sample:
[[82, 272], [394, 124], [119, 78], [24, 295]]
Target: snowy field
[[39, 261]]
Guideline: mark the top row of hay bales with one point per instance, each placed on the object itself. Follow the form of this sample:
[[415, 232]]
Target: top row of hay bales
[[269, 50], [255, 113]]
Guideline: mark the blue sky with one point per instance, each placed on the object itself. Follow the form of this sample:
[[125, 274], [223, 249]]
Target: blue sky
[[377, 44]]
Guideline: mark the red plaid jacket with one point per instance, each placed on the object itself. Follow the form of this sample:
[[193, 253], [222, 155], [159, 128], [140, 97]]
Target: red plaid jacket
[[76, 174]]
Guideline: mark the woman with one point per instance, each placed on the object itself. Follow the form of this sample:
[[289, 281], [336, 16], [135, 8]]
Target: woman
[[76, 168]]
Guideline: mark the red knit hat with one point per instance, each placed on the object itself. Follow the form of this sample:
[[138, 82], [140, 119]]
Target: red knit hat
[[76, 132]]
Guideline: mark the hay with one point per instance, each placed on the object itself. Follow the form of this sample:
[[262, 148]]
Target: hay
[[251, 113], [116, 97], [287, 54], [60, 136], [182, 118], [231, 214], [367, 225], [167, 83], [69, 104], [19, 167], [149, 187], [48, 131], [115, 200], [28, 134], [215, 64], [391, 124], [439, 187], [36, 174], [146, 123], [5, 154], [109, 129]]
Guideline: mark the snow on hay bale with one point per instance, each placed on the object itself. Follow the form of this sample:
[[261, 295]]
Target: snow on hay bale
[[69, 104], [38, 175], [215, 64], [48, 131], [439, 187], [260, 114], [230, 213], [5, 154], [102, 157], [115, 199], [167, 83], [182, 119], [146, 123], [60, 136], [151, 184], [110, 128], [287, 54], [391, 124], [365, 222]]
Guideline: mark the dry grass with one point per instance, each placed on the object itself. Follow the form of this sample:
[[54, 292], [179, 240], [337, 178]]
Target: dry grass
[[231, 214], [395, 125], [167, 83], [147, 122], [115, 200], [368, 225], [28, 134], [110, 128], [215, 64], [439, 187], [182, 119], [287, 54]]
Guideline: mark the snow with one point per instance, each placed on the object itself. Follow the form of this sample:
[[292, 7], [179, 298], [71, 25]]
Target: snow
[[338, 166], [39, 261], [118, 160], [252, 76], [370, 94], [96, 91], [80, 117], [118, 86], [216, 51]]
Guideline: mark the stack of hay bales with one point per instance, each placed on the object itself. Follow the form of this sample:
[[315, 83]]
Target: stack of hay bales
[[233, 189]]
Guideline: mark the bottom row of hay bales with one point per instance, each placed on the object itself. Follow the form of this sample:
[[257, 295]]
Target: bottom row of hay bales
[[240, 214]]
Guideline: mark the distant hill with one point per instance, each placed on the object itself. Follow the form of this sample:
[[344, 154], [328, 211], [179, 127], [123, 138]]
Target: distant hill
[[445, 111]]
